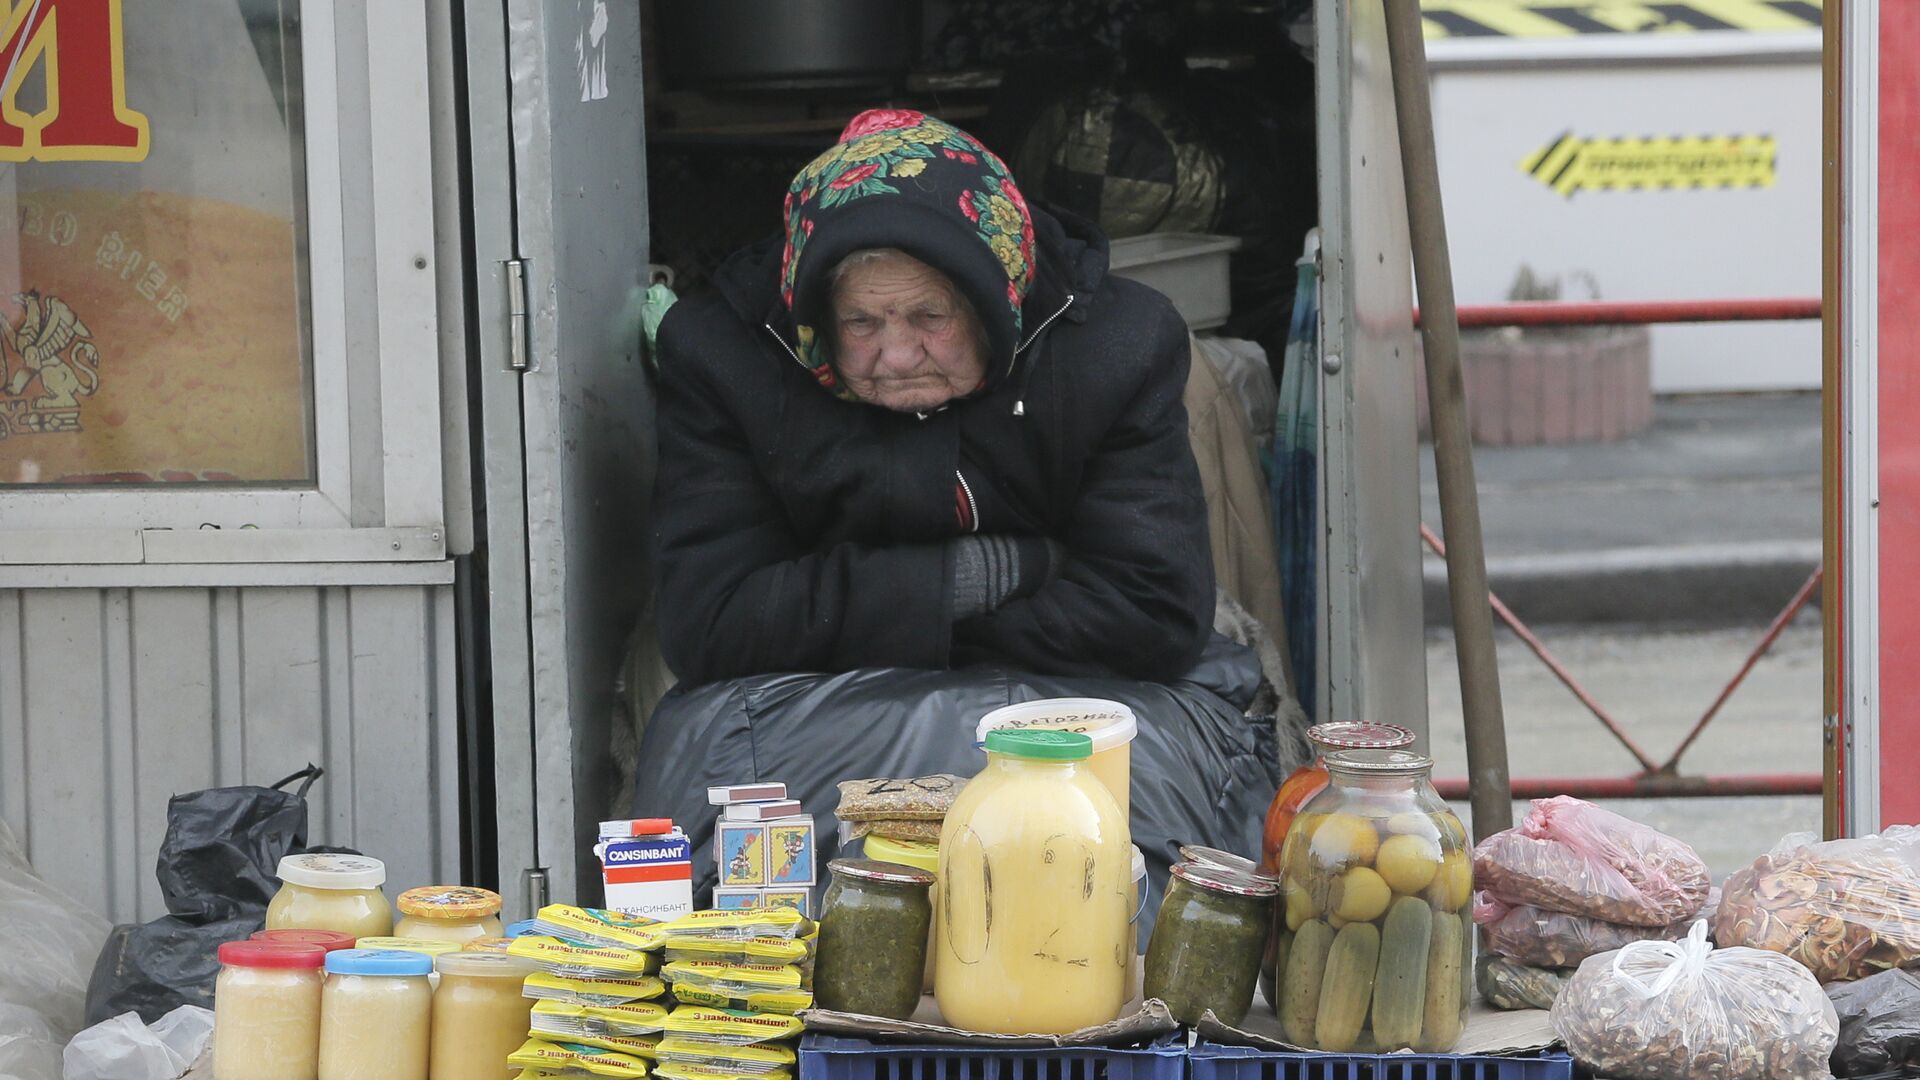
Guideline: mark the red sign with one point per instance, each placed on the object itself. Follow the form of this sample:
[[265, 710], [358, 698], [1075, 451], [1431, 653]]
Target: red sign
[[77, 46]]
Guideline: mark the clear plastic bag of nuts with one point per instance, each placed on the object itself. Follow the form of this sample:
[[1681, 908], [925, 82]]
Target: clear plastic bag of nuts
[[1683, 1010]]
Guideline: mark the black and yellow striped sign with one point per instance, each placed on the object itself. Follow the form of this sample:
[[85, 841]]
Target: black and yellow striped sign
[[1571, 164], [1567, 18]]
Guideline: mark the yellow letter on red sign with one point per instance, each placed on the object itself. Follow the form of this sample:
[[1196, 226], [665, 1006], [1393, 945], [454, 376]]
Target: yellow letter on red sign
[[77, 46]]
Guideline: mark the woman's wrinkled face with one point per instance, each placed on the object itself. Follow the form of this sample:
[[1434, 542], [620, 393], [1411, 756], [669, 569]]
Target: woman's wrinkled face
[[903, 338]]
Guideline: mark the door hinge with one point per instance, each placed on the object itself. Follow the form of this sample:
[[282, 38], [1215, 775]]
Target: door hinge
[[519, 349]]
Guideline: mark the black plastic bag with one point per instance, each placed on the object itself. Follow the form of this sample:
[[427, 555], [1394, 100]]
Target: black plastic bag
[[218, 870], [1879, 1023], [1203, 772]]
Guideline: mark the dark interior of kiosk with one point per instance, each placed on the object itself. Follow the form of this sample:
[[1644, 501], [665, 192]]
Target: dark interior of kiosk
[[1146, 116]]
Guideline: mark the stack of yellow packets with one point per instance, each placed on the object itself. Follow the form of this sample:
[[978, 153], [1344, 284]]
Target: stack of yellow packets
[[597, 1013], [738, 978]]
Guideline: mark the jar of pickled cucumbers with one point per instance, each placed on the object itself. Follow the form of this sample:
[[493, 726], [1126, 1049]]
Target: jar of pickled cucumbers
[[1377, 953]]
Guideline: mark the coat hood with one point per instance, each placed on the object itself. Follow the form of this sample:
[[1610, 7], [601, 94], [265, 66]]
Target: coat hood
[[904, 180]]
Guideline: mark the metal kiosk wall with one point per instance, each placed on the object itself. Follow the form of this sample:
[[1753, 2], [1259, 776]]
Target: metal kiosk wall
[[226, 526]]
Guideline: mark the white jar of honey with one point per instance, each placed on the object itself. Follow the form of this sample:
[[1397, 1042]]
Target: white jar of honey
[[325, 891], [479, 1015], [456, 913], [1035, 892], [266, 1011], [376, 1016]]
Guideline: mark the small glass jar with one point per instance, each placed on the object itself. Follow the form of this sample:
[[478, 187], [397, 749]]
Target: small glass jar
[[1139, 908], [479, 1015], [375, 1016], [1208, 942], [920, 856], [329, 940], [456, 913], [325, 891], [266, 1011], [1377, 878], [873, 938]]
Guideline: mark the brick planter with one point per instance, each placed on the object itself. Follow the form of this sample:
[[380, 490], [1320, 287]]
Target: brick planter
[[1528, 389]]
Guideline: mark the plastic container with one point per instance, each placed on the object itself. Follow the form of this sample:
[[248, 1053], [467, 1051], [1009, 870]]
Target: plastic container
[[266, 1011], [1377, 878], [456, 913], [833, 1057], [376, 1016], [328, 940], [874, 922], [323, 891], [1190, 268], [1212, 1061], [479, 1015], [1034, 892], [1208, 943], [921, 857], [1111, 725], [1139, 895]]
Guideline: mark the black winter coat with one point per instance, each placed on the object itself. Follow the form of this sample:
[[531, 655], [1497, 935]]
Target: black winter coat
[[801, 532]]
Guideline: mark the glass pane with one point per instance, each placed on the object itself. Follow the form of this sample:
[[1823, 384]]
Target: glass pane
[[153, 296]]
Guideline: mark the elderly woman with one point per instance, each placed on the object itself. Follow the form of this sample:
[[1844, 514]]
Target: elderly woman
[[927, 452]]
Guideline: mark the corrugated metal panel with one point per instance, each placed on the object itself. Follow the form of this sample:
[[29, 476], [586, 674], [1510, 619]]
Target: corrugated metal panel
[[113, 700]]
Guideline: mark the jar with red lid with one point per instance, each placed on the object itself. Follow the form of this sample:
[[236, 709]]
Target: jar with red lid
[[329, 940], [266, 1009]]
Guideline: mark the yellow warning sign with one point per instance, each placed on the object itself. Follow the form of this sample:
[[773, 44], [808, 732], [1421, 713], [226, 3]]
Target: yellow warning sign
[[1570, 164], [1566, 18]]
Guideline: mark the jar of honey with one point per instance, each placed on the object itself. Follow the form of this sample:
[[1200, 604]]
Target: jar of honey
[[456, 913]]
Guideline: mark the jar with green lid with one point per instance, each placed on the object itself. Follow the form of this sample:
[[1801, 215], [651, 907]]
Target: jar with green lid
[[1208, 942], [873, 938]]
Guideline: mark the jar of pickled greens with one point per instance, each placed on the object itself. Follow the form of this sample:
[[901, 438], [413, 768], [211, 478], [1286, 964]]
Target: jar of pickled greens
[[873, 938], [1208, 942], [1376, 877]]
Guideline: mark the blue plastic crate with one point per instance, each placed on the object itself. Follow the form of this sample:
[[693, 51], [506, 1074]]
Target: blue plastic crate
[[832, 1057], [1212, 1061]]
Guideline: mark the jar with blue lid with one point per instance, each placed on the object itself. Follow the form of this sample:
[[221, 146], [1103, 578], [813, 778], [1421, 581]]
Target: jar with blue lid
[[376, 1015]]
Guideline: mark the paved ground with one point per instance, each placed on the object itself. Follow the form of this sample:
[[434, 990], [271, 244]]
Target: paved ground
[[1657, 683], [1712, 470]]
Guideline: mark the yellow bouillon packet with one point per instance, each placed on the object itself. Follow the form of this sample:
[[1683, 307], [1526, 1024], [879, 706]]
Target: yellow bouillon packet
[[567, 1018], [597, 927], [738, 924], [572, 961], [732, 1025], [762, 1058], [774, 951], [784, 1002], [544, 986], [640, 1046], [562, 1056], [687, 1070], [720, 975]]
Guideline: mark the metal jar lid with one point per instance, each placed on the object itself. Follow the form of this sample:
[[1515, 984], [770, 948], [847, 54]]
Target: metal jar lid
[[1360, 735], [1230, 882], [875, 870], [1197, 855], [1379, 762]]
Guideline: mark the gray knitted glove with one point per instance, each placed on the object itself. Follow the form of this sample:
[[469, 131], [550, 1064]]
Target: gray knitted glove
[[987, 571]]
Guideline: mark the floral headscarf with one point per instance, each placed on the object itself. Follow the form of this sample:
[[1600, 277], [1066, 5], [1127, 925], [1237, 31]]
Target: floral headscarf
[[903, 179]]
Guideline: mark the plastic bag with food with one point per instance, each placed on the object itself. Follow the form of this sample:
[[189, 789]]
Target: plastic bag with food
[[1574, 857], [1507, 985], [1844, 908], [1683, 1010], [1541, 938], [925, 798]]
